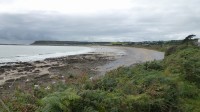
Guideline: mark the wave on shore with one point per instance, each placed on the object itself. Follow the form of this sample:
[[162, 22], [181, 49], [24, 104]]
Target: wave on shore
[[30, 54]]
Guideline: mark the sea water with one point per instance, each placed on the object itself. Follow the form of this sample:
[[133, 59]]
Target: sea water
[[18, 53]]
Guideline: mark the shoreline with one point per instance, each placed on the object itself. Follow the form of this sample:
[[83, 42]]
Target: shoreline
[[38, 53], [54, 70]]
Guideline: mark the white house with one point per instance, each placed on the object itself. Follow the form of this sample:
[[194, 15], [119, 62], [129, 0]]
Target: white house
[[198, 42]]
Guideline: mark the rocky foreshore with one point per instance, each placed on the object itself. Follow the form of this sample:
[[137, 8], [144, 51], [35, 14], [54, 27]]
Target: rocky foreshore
[[50, 70], [55, 70]]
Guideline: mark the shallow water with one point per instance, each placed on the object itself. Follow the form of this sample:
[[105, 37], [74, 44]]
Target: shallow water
[[16, 53]]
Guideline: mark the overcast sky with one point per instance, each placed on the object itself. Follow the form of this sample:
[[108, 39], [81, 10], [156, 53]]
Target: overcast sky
[[24, 21]]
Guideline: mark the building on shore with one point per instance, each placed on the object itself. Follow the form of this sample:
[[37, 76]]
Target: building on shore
[[197, 41]]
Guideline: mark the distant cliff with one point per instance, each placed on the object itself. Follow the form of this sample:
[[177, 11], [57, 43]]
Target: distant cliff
[[69, 43]]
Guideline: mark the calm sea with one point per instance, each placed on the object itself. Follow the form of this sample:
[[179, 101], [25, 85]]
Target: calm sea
[[16, 53]]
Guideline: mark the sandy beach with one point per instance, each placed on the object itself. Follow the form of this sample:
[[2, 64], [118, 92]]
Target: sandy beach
[[54, 70]]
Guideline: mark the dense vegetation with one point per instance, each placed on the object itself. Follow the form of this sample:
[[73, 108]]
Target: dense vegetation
[[170, 85]]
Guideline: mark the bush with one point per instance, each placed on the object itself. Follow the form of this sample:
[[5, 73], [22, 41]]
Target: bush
[[170, 50], [186, 62], [154, 65], [59, 101]]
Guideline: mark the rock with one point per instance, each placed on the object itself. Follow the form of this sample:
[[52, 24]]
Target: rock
[[55, 65], [6, 67], [36, 87], [45, 66], [27, 64], [10, 80], [21, 78], [37, 62], [14, 68], [20, 70], [27, 80], [36, 71], [40, 76], [2, 70], [91, 58], [29, 68]]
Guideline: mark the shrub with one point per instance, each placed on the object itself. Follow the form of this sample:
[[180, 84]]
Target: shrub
[[59, 101], [170, 50]]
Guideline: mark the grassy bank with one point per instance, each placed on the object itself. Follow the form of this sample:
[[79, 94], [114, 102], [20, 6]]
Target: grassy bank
[[172, 84]]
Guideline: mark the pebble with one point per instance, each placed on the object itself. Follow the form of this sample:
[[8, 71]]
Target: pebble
[[36, 87]]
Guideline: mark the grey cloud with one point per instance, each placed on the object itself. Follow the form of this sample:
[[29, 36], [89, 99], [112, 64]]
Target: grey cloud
[[165, 21]]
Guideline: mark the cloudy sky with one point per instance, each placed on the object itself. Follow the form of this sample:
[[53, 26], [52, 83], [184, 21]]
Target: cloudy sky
[[24, 21]]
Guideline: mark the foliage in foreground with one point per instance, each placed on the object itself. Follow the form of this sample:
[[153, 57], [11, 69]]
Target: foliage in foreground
[[158, 86]]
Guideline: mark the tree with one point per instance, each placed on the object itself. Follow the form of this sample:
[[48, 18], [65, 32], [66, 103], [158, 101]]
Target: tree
[[188, 39]]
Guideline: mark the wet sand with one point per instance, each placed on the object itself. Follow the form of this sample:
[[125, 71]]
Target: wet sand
[[54, 70], [131, 56]]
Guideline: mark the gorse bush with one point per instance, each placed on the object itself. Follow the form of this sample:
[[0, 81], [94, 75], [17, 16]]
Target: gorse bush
[[186, 63], [154, 65], [59, 101], [170, 50], [20, 102]]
